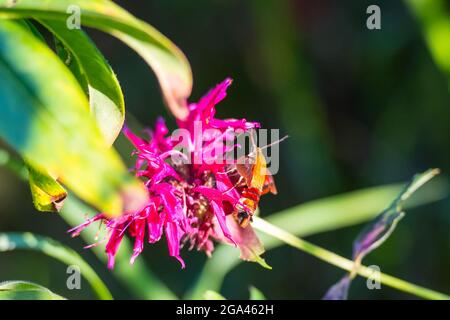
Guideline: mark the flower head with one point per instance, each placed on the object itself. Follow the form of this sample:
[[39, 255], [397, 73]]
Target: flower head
[[189, 202]]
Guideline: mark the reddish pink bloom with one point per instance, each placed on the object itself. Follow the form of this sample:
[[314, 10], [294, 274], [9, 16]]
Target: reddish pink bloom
[[189, 203]]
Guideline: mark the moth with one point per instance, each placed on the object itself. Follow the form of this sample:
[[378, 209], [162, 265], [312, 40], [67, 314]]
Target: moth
[[254, 180]]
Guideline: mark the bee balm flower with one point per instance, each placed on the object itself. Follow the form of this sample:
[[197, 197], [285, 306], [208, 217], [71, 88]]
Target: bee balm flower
[[190, 202]]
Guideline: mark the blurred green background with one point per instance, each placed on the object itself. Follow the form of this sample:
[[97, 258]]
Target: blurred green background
[[362, 108]]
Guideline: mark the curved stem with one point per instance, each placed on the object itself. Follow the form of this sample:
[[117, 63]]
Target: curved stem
[[317, 216], [344, 263], [137, 277], [28, 241]]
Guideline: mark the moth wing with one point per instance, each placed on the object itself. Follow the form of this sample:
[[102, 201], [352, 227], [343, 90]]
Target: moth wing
[[259, 171], [269, 185], [246, 171]]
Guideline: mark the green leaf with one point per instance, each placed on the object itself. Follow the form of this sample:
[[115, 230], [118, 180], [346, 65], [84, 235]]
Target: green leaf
[[167, 61], [13, 164], [212, 295], [256, 294], [48, 122], [94, 74], [23, 290], [47, 193], [31, 27], [28, 241], [434, 18]]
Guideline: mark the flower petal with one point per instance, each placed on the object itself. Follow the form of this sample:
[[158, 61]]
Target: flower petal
[[173, 242], [222, 219], [138, 233], [113, 245]]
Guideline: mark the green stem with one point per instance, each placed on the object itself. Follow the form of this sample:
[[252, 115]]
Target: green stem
[[317, 216], [343, 263], [52, 248]]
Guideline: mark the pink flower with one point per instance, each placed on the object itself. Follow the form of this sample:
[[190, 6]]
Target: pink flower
[[189, 203]]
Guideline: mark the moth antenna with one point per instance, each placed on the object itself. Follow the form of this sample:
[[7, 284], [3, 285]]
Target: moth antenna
[[228, 171], [237, 183], [275, 142], [98, 231]]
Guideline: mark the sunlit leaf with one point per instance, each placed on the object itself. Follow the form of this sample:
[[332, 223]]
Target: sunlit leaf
[[212, 295], [167, 61], [105, 98], [32, 28], [95, 75], [434, 19], [47, 193], [28, 241], [48, 122], [23, 290], [256, 294]]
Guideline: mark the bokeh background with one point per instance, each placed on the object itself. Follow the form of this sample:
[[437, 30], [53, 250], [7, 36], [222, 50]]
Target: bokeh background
[[362, 108]]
